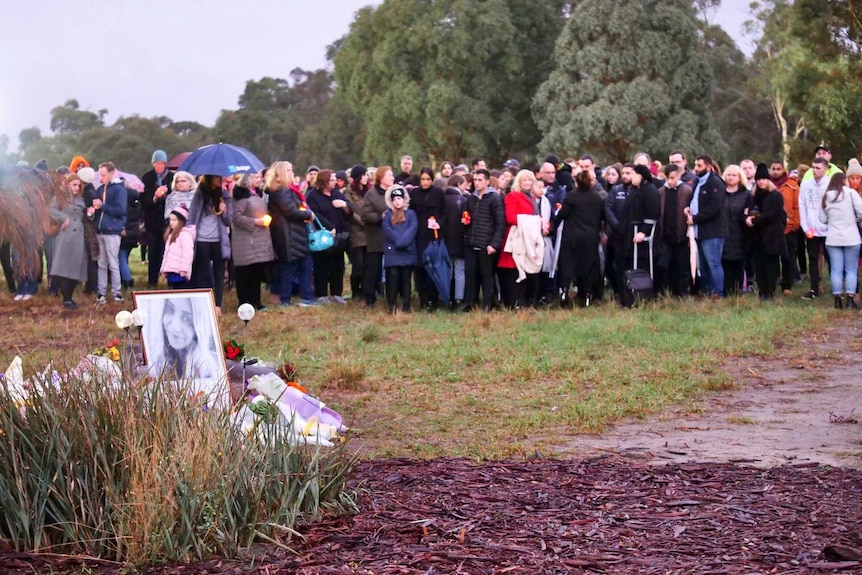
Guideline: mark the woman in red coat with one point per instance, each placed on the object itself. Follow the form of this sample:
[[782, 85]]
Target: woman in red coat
[[518, 201]]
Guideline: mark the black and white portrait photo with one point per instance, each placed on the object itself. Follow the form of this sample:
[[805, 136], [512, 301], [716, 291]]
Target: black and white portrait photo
[[181, 340]]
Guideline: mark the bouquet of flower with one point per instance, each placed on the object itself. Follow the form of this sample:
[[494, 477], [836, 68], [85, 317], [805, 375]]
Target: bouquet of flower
[[233, 350], [111, 350]]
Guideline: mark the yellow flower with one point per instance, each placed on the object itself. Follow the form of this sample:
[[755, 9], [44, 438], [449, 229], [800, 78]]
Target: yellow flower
[[114, 354]]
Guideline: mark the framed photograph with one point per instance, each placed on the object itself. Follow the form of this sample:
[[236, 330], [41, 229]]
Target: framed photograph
[[181, 341]]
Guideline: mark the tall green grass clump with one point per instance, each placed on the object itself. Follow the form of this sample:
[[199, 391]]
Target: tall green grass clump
[[144, 473]]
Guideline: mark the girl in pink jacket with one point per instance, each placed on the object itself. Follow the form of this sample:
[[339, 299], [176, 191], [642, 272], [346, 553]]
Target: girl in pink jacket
[[179, 249]]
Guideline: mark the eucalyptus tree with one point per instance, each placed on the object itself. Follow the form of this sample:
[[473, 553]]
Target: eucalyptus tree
[[629, 75]]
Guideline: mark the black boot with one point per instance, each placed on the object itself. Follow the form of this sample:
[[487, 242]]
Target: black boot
[[565, 302], [838, 303], [851, 301]]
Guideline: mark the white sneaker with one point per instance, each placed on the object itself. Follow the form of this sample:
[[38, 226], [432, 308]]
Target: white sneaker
[[339, 299], [323, 300], [25, 297], [18, 297]]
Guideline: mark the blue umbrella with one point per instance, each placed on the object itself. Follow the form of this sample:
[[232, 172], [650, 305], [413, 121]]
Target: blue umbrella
[[221, 160], [435, 259]]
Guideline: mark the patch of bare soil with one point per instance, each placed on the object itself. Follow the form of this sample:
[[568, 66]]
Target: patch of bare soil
[[804, 404]]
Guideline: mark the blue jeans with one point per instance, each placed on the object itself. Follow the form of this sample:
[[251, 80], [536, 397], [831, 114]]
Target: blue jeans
[[710, 265], [843, 267], [27, 286], [287, 272], [125, 270]]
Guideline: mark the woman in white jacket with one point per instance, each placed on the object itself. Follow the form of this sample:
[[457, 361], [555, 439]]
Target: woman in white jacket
[[841, 209]]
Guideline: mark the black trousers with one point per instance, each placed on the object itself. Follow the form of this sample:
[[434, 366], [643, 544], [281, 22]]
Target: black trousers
[[429, 296], [734, 276], [513, 292], [328, 272], [801, 251], [479, 268], [357, 269], [67, 287], [371, 276], [156, 247], [816, 247], [789, 271], [208, 269], [248, 280], [611, 266], [672, 269], [766, 267], [6, 263], [398, 283]]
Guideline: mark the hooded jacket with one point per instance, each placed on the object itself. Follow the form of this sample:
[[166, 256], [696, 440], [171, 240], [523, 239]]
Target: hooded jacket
[[180, 254], [487, 221], [400, 239]]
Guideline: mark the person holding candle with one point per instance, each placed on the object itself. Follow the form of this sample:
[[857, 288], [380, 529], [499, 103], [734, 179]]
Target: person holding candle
[[250, 239]]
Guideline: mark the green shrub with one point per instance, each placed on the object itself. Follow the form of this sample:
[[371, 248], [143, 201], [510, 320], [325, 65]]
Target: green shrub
[[144, 473]]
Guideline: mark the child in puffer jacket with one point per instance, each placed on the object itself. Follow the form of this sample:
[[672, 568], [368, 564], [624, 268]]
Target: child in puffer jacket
[[179, 249]]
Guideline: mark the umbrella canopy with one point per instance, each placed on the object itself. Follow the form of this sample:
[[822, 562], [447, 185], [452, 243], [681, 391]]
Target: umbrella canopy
[[131, 180], [221, 160], [177, 160], [436, 260]]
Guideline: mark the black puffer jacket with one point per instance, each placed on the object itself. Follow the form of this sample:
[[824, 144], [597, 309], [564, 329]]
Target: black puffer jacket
[[736, 241], [288, 228], [487, 221], [710, 214], [131, 233], [451, 226]]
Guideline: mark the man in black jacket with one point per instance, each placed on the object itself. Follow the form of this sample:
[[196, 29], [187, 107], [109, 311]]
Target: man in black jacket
[[614, 204], [486, 225], [706, 214], [157, 184]]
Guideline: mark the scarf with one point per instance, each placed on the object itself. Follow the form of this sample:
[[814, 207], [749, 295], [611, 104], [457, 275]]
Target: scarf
[[695, 198]]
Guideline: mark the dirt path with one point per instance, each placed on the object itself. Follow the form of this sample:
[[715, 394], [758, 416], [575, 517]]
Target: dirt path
[[804, 405]]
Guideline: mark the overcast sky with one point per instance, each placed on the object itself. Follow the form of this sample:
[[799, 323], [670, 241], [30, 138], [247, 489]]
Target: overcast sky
[[185, 59]]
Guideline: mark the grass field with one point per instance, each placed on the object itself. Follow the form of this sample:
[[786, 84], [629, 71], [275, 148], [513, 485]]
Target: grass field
[[477, 385]]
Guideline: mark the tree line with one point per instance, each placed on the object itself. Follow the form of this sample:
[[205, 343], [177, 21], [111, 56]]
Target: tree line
[[448, 79]]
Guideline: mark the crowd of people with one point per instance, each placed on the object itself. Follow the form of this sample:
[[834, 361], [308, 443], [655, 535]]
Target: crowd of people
[[566, 232]]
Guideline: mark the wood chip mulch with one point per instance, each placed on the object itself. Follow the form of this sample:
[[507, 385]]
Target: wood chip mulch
[[554, 516]]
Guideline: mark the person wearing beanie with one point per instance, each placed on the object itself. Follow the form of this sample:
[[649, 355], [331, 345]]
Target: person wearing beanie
[[788, 186], [70, 261], [400, 225], [341, 179], [310, 178], [854, 174], [179, 253], [642, 208], [42, 165], [707, 214], [91, 243], [157, 185], [357, 185], [766, 221]]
